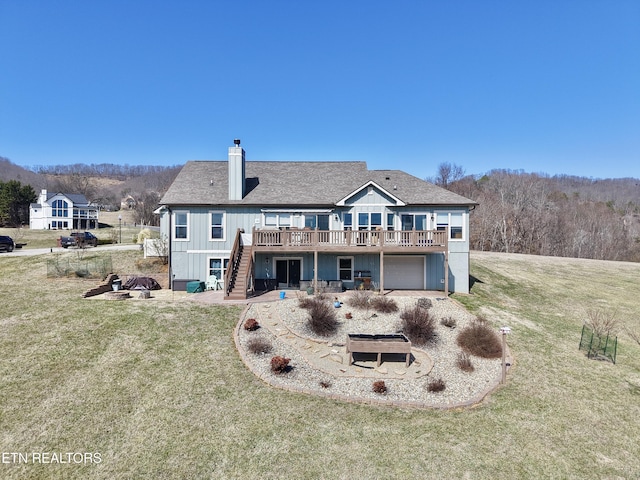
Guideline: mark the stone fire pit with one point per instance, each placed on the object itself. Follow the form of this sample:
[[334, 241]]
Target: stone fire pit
[[117, 295]]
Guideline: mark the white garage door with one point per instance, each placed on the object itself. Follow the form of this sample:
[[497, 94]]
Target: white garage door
[[404, 273]]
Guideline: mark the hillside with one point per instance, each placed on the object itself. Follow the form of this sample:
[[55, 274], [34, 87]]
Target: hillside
[[558, 216], [103, 184]]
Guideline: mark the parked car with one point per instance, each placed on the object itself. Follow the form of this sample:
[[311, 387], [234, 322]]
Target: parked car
[[79, 239], [6, 243]]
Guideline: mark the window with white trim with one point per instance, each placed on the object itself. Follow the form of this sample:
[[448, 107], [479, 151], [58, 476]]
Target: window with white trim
[[218, 267], [320, 221], [455, 226], [59, 208], [390, 221], [181, 225], [59, 225], [347, 221], [454, 221], [369, 221], [345, 268], [413, 222], [217, 220], [276, 220]]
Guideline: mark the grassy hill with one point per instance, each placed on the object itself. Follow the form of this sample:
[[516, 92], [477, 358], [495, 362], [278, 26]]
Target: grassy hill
[[158, 390]]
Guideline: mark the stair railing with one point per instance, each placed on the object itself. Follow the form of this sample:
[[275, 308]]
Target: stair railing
[[234, 260]]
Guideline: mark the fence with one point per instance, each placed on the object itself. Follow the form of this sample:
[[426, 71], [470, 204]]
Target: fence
[[95, 267], [155, 247], [597, 346]]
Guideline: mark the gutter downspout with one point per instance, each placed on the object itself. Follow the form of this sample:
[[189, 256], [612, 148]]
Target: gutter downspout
[[170, 250]]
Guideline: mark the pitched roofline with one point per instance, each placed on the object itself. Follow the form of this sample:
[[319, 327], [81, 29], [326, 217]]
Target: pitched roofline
[[341, 202]]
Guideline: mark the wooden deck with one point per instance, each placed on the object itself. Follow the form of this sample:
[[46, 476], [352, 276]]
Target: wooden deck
[[350, 241]]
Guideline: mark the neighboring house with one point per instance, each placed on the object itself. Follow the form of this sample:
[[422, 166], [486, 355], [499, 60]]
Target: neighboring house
[[57, 211], [127, 203], [258, 225]]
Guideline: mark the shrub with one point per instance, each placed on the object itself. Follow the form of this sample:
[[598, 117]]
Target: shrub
[[251, 324], [424, 302], [306, 302], [383, 304], [464, 362], [321, 295], [449, 322], [258, 346], [142, 234], [322, 318], [379, 387], [437, 385], [359, 299], [602, 322], [418, 325], [480, 339], [280, 364]]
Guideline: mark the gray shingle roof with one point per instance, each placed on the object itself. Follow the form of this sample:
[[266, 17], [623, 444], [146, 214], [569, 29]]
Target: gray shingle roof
[[78, 199], [300, 184]]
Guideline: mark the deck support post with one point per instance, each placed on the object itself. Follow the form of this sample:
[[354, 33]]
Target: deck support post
[[315, 271], [446, 273], [381, 272]]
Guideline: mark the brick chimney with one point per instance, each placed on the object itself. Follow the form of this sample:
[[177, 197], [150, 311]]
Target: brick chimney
[[236, 172]]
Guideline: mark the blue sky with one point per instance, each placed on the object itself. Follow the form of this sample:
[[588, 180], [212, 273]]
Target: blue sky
[[540, 86]]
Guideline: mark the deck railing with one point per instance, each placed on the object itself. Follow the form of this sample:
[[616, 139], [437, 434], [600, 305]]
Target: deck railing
[[416, 239]]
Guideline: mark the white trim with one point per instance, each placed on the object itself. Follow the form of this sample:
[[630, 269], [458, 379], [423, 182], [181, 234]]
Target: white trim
[[224, 225], [209, 252], [353, 261], [448, 213], [220, 281], [342, 202], [278, 216], [273, 266], [296, 210], [368, 214], [174, 225]]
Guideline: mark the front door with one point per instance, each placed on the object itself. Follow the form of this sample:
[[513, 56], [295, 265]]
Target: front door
[[288, 272]]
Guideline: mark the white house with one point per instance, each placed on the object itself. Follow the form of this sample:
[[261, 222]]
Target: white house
[[62, 211]]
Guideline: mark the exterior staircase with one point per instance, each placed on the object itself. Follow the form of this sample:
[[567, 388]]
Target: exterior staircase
[[238, 279], [238, 282]]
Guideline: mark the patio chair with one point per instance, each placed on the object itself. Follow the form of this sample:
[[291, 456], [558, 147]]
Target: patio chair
[[213, 283]]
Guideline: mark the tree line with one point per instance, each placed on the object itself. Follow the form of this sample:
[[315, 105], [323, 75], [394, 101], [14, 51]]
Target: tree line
[[537, 214], [104, 170]]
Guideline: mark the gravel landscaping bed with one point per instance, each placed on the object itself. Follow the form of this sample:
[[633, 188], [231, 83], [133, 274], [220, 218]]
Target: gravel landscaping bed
[[306, 374]]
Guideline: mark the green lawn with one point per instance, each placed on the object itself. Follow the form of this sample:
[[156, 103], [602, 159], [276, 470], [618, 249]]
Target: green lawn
[[158, 390]]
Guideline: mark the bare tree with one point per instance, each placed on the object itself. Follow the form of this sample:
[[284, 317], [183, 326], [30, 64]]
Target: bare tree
[[633, 332], [144, 208], [75, 183], [447, 174]]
